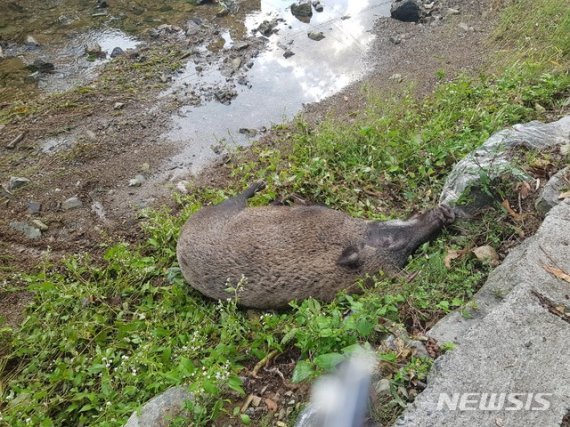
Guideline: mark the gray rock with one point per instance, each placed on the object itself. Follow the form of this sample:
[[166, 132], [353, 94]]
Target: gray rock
[[451, 11], [40, 225], [236, 63], [316, 35], [549, 196], [99, 210], [513, 342], [240, 46], [395, 39], [160, 410], [396, 77], [94, 49], [117, 52], [17, 182], [72, 203], [406, 10], [493, 157], [31, 41], [137, 181], [318, 6], [29, 231], [167, 30], [118, 106], [435, 20], [34, 208], [41, 66], [250, 133], [225, 95], [302, 9], [288, 54], [193, 26], [419, 347], [268, 27]]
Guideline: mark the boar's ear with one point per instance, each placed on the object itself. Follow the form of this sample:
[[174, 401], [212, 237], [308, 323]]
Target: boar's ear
[[351, 257]]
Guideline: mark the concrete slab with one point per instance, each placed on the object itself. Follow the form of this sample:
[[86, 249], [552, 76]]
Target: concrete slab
[[518, 341]]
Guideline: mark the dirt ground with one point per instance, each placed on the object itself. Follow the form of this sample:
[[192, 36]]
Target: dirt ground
[[117, 143]]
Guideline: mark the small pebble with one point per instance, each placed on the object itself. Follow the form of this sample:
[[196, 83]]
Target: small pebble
[[34, 208], [17, 182], [72, 203], [40, 225], [136, 181]]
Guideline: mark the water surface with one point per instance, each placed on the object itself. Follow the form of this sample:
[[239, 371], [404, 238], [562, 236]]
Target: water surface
[[278, 86]]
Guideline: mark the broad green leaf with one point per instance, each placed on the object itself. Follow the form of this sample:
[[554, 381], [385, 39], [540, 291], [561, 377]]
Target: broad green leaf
[[329, 360], [303, 370]]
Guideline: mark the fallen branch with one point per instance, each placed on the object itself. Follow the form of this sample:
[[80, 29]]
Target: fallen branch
[[263, 362], [246, 403], [12, 144]]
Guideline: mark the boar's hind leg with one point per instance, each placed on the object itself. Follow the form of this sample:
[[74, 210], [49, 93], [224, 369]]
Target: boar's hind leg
[[239, 201]]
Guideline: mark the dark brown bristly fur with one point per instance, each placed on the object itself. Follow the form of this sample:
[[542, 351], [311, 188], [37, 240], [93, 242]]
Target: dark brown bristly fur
[[287, 253]]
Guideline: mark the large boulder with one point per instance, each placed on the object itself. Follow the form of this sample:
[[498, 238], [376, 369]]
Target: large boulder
[[511, 347], [493, 159], [407, 10]]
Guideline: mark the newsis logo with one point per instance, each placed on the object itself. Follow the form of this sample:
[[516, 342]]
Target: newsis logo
[[494, 401]]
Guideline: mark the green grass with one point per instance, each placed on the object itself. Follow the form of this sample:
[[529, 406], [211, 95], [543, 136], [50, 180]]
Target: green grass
[[123, 329], [396, 155], [105, 335]]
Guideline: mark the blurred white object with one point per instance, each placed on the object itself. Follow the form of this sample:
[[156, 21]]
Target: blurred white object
[[341, 399]]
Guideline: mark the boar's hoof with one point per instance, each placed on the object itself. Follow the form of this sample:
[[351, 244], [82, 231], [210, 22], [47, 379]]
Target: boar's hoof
[[259, 185], [447, 214]]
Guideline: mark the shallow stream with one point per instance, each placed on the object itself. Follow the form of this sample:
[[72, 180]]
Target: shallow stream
[[288, 70]]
